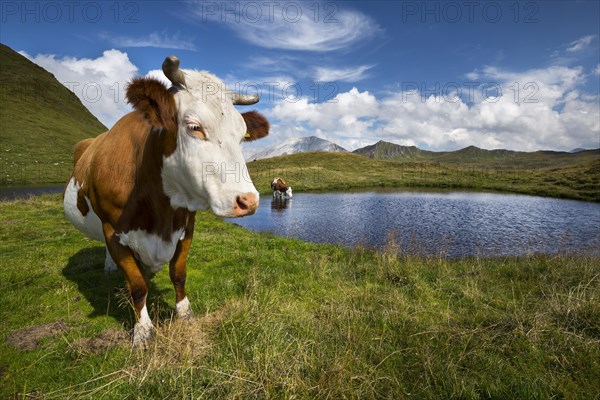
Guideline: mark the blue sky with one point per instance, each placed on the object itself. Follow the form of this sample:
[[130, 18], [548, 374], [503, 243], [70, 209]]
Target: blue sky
[[439, 75]]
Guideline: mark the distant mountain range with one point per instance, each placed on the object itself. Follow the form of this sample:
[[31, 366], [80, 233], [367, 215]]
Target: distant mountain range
[[390, 151], [471, 154], [298, 145]]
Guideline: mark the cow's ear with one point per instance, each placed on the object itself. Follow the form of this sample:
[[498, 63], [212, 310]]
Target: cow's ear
[[151, 97], [257, 126]]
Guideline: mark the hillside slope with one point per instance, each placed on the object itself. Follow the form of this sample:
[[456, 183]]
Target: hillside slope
[[40, 122], [383, 150]]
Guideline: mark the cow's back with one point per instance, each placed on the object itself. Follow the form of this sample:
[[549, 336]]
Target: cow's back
[[104, 174]]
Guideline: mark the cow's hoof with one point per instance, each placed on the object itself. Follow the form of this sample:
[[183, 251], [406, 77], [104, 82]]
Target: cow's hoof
[[184, 310], [142, 335]]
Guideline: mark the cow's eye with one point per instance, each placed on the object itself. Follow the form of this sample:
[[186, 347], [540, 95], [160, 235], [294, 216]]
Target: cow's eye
[[197, 130]]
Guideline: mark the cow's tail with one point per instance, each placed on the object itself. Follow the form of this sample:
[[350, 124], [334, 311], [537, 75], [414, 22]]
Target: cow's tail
[[80, 148]]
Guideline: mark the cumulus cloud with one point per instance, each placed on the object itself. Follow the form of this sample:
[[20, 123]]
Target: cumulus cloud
[[351, 74], [527, 111], [160, 75], [99, 82], [290, 25]]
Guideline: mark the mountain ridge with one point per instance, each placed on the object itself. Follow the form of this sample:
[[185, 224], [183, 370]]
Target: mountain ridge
[[298, 145], [387, 151], [383, 150]]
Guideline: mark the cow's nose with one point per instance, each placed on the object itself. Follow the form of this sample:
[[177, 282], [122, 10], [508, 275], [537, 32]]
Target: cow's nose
[[245, 204]]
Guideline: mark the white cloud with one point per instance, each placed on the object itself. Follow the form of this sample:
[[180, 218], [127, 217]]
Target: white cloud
[[270, 88], [99, 83], [597, 69], [154, 39], [351, 74], [291, 25], [473, 76], [580, 43], [537, 109], [160, 75]]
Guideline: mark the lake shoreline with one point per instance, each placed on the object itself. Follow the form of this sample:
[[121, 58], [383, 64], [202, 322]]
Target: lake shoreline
[[9, 193]]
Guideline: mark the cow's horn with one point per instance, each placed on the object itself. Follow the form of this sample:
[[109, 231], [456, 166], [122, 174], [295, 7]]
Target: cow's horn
[[244, 99], [171, 70]]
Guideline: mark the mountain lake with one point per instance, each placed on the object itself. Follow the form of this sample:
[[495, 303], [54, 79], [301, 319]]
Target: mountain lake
[[423, 222], [449, 223]]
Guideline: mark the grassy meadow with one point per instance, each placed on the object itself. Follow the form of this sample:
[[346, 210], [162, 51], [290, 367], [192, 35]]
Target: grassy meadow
[[568, 176], [280, 318]]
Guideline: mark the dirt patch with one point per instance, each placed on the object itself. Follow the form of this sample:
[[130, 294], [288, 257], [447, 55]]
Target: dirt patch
[[29, 338], [105, 340]]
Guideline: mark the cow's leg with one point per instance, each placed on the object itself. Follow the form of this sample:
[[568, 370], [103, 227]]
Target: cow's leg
[[137, 283], [109, 263], [177, 271]]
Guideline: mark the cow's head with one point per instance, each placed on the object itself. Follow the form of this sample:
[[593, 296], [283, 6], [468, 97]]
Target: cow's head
[[203, 165]]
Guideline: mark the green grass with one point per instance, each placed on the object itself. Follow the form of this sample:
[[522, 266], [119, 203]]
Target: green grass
[[280, 318], [578, 180], [40, 123]]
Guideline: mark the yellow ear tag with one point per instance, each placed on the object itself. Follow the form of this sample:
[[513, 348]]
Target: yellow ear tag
[[247, 134]]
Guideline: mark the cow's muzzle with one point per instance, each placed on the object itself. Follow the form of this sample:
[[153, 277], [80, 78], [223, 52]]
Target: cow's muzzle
[[245, 204]]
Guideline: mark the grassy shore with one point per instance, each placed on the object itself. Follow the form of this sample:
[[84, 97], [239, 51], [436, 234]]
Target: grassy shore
[[335, 171], [576, 177], [280, 318]]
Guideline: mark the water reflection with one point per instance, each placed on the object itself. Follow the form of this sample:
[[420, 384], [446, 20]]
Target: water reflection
[[280, 204]]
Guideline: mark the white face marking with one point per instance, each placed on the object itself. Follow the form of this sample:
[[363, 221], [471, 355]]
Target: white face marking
[[151, 249], [89, 224], [211, 172]]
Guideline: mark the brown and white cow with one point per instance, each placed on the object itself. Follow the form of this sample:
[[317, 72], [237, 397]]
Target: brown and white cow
[[137, 187], [280, 189]]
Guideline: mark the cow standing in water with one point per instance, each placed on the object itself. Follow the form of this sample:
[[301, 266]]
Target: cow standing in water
[[280, 189], [138, 186]]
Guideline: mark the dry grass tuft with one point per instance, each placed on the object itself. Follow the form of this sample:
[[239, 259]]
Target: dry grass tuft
[[178, 345]]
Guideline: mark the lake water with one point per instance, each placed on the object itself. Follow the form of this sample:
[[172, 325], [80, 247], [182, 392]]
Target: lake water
[[454, 224], [23, 192]]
